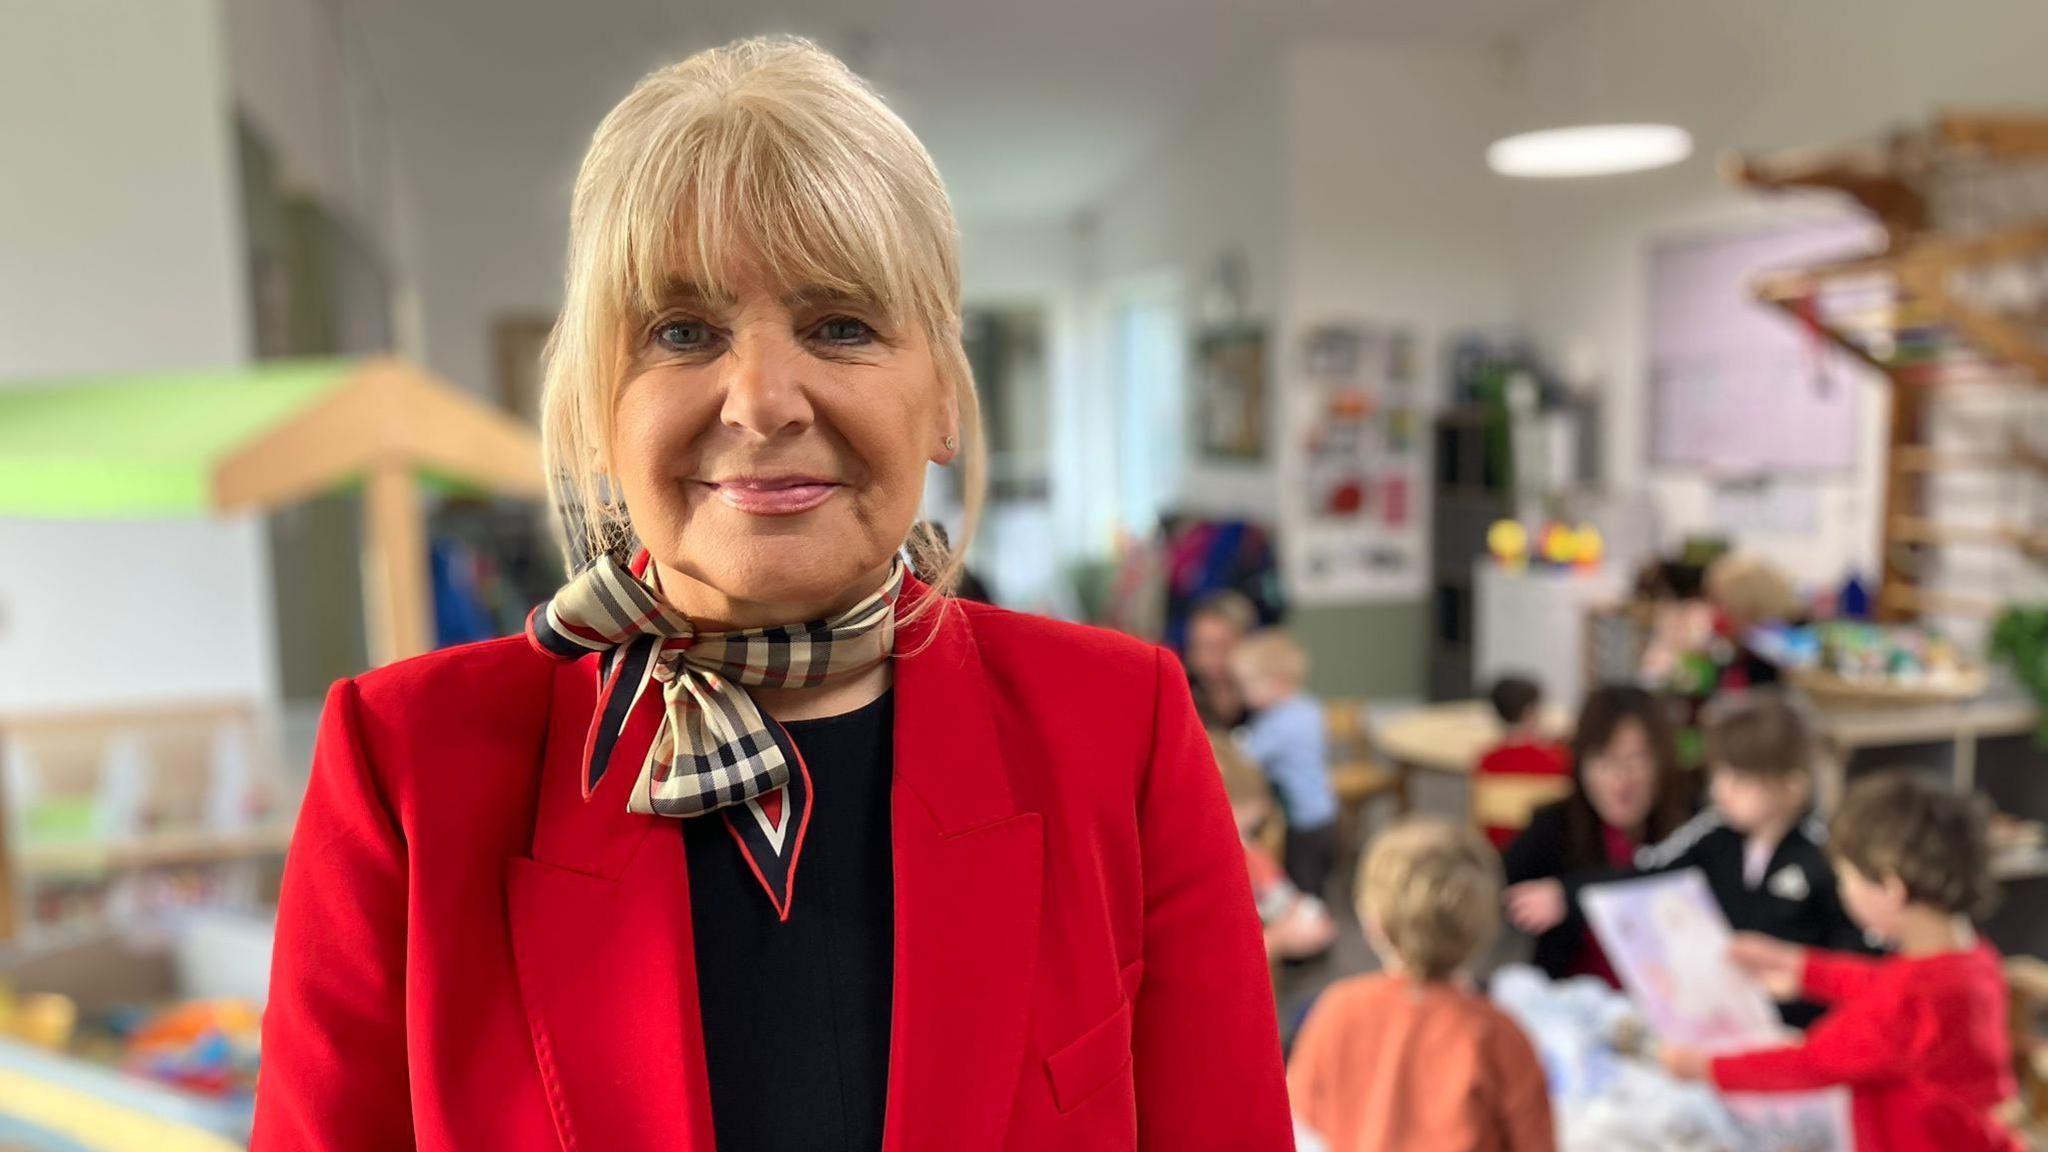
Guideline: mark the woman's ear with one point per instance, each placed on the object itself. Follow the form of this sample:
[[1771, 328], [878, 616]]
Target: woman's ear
[[948, 447]]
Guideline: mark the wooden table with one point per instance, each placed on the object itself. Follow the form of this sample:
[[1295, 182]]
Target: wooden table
[[1844, 731], [1447, 740], [1451, 737]]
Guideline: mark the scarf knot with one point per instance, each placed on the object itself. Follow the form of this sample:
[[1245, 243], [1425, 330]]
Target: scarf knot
[[674, 703]]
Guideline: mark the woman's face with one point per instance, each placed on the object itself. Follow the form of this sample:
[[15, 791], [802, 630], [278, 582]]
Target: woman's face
[[771, 449], [1621, 778]]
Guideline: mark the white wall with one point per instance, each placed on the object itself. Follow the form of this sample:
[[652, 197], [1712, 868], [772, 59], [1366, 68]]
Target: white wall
[[1211, 193], [101, 614], [119, 244], [1391, 218], [120, 251], [303, 79], [1743, 74]]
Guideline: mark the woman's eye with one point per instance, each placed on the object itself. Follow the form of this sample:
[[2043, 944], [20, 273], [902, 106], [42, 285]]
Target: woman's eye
[[682, 335], [845, 330]]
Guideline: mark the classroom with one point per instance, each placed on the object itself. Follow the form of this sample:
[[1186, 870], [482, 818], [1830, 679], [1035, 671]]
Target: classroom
[[1367, 576]]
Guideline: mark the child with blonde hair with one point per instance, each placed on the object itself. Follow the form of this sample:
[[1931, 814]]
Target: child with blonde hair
[[1416, 1057], [1285, 737]]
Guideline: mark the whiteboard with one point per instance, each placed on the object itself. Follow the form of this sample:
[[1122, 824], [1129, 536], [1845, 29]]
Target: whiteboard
[[1736, 386]]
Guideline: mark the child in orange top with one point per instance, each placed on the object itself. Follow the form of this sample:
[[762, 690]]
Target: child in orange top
[[1416, 1057], [1919, 1038], [1522, 750]]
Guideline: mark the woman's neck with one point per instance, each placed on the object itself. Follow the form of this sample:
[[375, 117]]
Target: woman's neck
[[713, 610]]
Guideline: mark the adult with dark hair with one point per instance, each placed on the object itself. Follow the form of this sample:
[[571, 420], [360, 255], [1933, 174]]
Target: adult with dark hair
[[1629, 792]]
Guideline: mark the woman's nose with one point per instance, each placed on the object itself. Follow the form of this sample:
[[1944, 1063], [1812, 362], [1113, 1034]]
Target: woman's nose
[[764, 386]]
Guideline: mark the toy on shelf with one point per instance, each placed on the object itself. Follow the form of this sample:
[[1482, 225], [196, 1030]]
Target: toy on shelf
[[1558, 545], [1845, 662]]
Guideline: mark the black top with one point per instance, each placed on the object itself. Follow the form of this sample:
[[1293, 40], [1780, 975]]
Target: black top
[[796, 1013], [1794, 898], [1539, 854]]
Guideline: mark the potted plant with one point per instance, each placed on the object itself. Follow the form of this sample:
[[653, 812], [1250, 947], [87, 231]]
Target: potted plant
[[2020, 640]]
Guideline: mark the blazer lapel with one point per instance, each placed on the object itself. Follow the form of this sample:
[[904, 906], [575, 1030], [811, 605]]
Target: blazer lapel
[[601, 937], [968, 888]]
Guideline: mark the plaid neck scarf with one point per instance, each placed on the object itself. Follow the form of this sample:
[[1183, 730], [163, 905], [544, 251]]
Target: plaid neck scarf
[[679, 696]]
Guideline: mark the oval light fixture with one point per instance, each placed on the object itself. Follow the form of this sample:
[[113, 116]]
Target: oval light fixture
[[1589, 150]]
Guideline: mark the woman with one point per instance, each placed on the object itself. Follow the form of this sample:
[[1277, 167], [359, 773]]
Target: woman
[[1629, 793], [756, 841]]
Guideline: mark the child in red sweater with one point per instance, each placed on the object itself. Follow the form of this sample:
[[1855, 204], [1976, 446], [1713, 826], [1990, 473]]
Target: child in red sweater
[[1919, 1038], [1522, 750]]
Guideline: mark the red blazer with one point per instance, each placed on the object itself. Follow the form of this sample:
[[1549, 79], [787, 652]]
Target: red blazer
[[470, 955]]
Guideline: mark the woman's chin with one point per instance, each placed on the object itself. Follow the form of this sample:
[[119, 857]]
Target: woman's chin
[[783, 569]]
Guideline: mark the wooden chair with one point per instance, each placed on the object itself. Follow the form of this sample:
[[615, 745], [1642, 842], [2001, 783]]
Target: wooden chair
[[1357, 775], [2026, 978], [1508, 801]]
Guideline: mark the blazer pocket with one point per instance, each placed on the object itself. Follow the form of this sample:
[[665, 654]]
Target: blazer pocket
[[1092, 1061]]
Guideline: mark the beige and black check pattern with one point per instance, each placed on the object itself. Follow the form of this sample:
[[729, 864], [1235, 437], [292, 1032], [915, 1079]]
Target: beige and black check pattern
[[713, 747]]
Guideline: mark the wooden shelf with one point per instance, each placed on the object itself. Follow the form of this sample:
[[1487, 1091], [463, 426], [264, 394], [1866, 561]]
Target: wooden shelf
[[2020, 863], [1914, 600], [1915, 530], [156, 850]]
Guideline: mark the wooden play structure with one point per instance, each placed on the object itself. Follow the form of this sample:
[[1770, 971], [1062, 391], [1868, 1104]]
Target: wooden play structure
[[265, 437], [245, 440], [1953, 312]]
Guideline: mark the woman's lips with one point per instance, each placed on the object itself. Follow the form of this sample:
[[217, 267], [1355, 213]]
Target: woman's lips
[[775, 496]]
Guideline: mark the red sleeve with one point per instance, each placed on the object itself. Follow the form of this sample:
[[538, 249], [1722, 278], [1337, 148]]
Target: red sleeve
[[1205, 1036], [1860, 1042], [1832, 977], [334, 1060]]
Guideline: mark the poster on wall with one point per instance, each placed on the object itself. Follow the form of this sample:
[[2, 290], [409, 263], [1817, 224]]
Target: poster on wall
[[1356, 461], [1230, 393]]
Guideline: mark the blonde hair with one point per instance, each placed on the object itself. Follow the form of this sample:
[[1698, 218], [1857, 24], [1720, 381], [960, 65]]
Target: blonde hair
[[1243, 783], [766, 152], [1752, 588], [1433, 889], [1271, 654]]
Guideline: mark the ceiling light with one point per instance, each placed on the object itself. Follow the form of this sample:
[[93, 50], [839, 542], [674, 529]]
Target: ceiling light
[[1589, 150]]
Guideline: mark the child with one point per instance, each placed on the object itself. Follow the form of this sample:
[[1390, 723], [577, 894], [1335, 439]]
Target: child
[[1297, 927], [1760, 845], [1414, 1057], [1285, 738], [1919, 1038], [1522, 750]]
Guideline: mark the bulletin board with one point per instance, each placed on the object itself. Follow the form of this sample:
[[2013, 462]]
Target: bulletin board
[[1736, 388], [1353, 470]]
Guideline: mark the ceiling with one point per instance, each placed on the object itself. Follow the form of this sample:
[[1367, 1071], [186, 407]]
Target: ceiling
[[1031, 109]]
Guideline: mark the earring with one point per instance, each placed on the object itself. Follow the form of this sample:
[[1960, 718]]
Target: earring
[[950, 443]]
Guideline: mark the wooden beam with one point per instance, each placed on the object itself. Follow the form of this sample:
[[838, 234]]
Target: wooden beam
[[395, 580], [1920, 458], [1994, 135], [2026, 455], [1914, 530], [8, 880], [1913, 601]]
